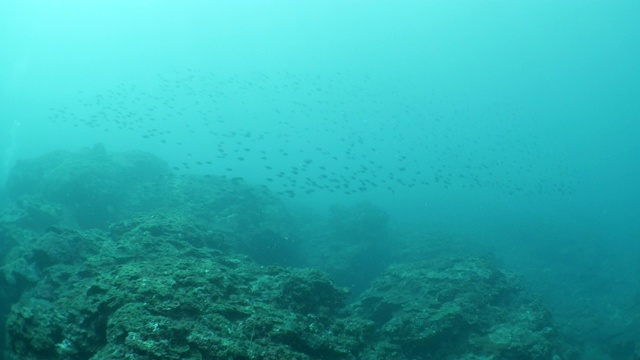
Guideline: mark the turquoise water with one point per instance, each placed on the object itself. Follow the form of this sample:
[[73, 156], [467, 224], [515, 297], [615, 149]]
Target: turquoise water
[[511, 124]]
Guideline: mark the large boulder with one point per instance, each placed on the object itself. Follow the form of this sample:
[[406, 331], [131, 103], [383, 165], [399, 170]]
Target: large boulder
[[455, 309]]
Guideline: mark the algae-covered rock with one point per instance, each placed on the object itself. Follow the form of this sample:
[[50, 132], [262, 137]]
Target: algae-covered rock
[[451, 309], [93, 188], [252, 220], [88, 188], [182, 300], [34, 256], [112, 256], [160, 286], [155, 289]]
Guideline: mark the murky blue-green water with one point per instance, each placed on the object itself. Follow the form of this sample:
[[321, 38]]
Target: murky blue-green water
[[515, 125]]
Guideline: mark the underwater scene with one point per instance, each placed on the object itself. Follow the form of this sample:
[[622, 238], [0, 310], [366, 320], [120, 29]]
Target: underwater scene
[[357, 180]]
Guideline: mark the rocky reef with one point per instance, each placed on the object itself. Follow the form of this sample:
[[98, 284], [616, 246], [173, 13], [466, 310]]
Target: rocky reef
[[113, 256]]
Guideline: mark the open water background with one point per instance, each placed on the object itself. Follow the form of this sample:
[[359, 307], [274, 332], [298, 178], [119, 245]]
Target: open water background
[[510, 124]]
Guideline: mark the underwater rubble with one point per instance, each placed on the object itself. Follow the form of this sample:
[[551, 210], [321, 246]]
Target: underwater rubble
[[141, 263]]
